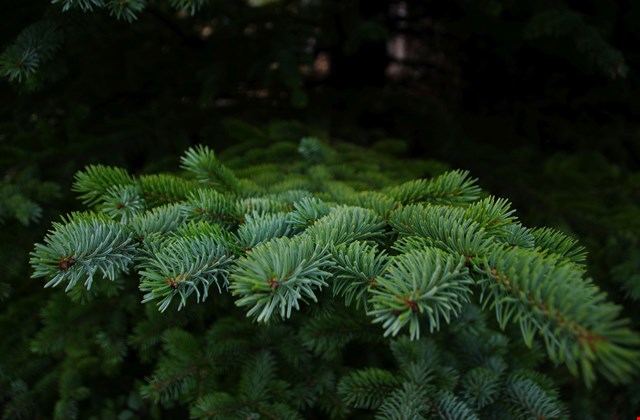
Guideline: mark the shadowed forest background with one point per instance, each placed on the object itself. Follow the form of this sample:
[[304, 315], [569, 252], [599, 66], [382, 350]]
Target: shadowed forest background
[[540, 100]]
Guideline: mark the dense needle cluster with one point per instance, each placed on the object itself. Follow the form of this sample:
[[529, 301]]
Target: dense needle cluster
[[435, 261]]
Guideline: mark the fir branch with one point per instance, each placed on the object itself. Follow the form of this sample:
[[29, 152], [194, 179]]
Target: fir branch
[[548, 296], [306, 211], [164, 189], [122, 202], [94, 182], [427, 282], [202, 162], [367, 388], [347, 224], [453, 187], [191, 6], [481, 386], [357, 268], [560, 244], [258, 229], [84, 5], [76, 251], [277, 274], [212, 206], [531, 400], [126, 9], [408, 402], [186, 265], [33, 47], [159, 220], [444, 227]]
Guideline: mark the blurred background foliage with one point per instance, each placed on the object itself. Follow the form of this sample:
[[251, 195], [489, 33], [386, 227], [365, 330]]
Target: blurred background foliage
[[539, 99]]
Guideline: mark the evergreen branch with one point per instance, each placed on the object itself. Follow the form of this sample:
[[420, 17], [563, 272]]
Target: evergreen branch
[[345, 225], [96, 180], [263, 205], [164, 189], [408, 402], [277, 274], [516, 235], [419, 282], [14, 202], [450, 407], [408, 353], [126, 9], [367, 388], [159, 220], [84, 5], [182, 266], [177, 374], [327, 333], [258, 229], [191, 6], [493, 214], [379, 202], [481, 386], [453, 187], [212, 206], [357, 267], [257, 377], [202, 162], [75, 251], [214, 406], [307, 211], [444, 227], [531, 401], [560, 244], [34, 46], [548, 296], [122, 202]]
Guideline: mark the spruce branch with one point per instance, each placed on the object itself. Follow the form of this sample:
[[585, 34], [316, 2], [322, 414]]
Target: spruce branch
[[306, 211], [191, 6], [212, 206], [367, 388], [427, 282], [33, 47], [558, 243], [263, 205], [276, 275], [453, 187], [202, 162], [481, 386], [122, 202], [185, 265], [84, 5], [126, 9], [530, 400], [346, 224], [258, 229], [94, 182], [548, 296], [80, 247], [357, 267], [158, 220], [164, 189], [379, 202], [447, 228]]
